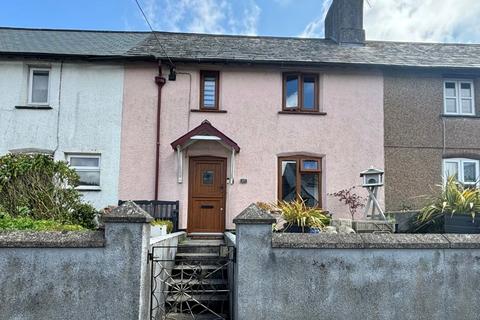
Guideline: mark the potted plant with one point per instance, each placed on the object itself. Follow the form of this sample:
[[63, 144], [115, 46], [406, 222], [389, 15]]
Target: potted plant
[[301, 219], [160, 227], [452, 211]]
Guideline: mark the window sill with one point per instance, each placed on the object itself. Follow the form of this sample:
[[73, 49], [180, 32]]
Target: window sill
[[459, 116], [212, 111], [88, 188], [35, 107], [313, 113]]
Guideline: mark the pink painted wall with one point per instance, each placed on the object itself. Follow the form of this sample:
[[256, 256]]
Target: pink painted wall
[[350, 135], [137, 158]]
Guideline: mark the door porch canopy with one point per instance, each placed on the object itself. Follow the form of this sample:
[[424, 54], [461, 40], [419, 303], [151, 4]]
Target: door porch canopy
[[204, 132]]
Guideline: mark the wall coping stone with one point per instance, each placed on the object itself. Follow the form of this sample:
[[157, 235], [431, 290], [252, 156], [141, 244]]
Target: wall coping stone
[[155, 240], [463, 241], [316, 240], [128, 212], [253, 214], [375, 241], [230, 238], [52, 239]]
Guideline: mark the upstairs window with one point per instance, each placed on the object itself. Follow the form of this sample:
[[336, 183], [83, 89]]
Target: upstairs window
[[465, 170], [38, 86], [209, 90], [88, 168], [459, 97], [300, 92], [300, 178]]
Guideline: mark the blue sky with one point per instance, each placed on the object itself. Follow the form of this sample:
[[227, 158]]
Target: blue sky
[[404, 20], [124, 15]]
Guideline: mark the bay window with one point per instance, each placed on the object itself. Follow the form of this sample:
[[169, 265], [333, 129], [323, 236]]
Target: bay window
[[300, 179]]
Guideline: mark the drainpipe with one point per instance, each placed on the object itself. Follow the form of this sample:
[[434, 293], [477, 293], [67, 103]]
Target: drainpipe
[[160, 81]]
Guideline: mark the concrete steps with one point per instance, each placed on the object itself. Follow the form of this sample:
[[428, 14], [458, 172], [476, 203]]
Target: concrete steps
[[213, 282], [196, 297], [199, 281]]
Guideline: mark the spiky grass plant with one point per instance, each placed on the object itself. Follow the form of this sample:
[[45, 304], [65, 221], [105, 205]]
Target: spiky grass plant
[[298, 213], [454, 198]]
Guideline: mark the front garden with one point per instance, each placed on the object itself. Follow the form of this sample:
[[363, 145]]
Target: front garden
[[452, 208], [38, 193]]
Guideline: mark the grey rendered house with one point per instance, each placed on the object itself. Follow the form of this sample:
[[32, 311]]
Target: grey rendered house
[[432, 120]]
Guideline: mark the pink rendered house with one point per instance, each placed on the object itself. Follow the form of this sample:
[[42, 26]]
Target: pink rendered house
[[250, 119]]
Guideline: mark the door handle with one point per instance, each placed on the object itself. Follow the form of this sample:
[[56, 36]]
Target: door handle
[[221, 209], [207, 206]]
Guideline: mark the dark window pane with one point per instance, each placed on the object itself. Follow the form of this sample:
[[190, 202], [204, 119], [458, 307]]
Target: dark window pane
[[289, 180], [309, 189], [209, 91], [207, 177], [291, 88], [309, 93]]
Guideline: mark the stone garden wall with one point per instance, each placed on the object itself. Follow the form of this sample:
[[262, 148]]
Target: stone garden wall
[[353, 276], [77, 275]]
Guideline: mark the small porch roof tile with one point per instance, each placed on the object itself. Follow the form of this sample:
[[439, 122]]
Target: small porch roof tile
[[205, 128]]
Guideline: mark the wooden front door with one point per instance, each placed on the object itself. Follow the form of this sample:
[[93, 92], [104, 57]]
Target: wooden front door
[[206, 199]]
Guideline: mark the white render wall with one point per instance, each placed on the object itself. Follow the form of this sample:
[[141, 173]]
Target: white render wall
[[86, 100]]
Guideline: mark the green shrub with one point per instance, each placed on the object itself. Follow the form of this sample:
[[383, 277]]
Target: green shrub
[[27, 223], [36, 186], [159, 222]]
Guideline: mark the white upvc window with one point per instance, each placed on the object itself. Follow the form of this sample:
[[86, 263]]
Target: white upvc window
[[458, 97], [465, 170], [87, 167], [38, 86]]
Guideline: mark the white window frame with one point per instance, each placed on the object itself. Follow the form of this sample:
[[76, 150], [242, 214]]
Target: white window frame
[[30, 87], [98, 169], [458, 97], [461, 173]]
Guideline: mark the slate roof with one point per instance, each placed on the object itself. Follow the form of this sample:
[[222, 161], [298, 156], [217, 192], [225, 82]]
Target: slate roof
[[202, 47], [227, 48], [69, 42]]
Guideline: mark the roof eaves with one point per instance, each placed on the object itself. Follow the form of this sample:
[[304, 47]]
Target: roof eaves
[[77, 56], [316, 63]]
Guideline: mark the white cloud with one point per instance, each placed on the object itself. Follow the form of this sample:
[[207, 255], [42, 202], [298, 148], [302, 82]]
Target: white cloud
[[413, 20], [203, 16], [315, 28], [251, 16], [427, 20]]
